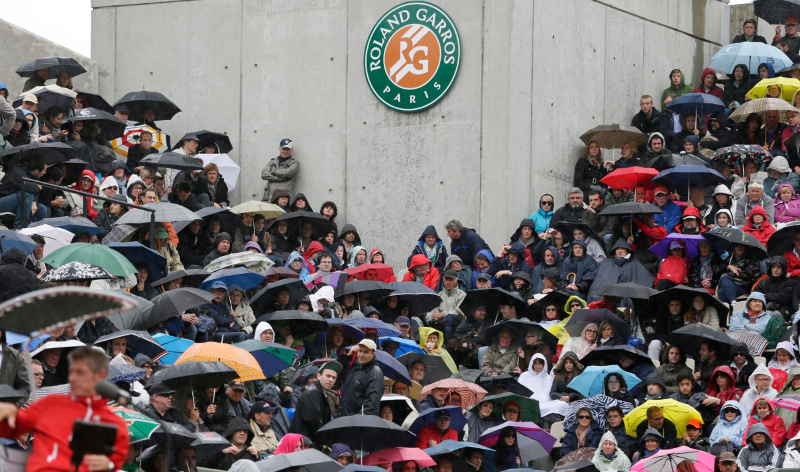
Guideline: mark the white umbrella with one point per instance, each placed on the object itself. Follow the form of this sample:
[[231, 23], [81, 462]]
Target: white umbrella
[[227, 168], [55, 238], [253, 261]]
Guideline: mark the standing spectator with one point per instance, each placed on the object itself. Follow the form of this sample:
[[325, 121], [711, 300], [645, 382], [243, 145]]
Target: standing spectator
[[464, 242], [363, 387], [677, 85], [281, 171], [749, 33], [590, 169], [39, 77], [791, 36], [313, 410]]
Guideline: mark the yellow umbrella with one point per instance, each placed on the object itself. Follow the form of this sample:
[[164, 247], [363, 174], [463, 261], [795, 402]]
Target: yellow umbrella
[[560, 331], [234, 357], [269, 210], [788, 88], [675, 411]]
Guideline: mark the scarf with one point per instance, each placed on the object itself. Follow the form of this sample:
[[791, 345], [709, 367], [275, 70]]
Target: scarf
[[581, 433], [430, 253], [706, 272]]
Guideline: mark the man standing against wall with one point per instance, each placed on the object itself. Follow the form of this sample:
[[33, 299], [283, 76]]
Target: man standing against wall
[[281, 171]]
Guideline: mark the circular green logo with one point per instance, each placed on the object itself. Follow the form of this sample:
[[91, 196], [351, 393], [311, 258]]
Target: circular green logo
[[412, 56]]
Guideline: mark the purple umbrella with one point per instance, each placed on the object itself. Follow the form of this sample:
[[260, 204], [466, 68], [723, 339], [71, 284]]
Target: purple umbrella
[[691, 240]]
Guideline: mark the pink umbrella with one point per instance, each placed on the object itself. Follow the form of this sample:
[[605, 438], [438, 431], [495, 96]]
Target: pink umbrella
[[533, 441], [786, 408], [667, 460], [400, 454]]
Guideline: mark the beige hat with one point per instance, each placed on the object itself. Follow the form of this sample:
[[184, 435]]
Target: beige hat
[[368, 343], [30, 98]]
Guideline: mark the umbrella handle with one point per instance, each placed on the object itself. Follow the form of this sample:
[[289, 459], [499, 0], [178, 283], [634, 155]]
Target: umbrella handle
[[574, 277]]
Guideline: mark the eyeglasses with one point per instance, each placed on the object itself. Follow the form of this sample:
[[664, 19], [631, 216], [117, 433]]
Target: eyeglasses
[[584, 417], [611, 417], [591, 331], [547, 203], [509, 435], [38, 375], [551, 309], [739, 354]]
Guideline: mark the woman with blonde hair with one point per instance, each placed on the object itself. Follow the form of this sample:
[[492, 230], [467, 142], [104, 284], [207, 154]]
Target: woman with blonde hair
[[590, 169]]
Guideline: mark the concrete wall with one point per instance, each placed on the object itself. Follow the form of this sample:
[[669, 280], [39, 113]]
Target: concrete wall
[[18, 46], [534, 75]]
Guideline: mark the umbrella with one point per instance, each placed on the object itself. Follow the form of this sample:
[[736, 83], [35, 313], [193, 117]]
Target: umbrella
[[137, 102], [399, 454], [110, 126], [69, 223], [761, 106], [373, 288], [303, 323], [337, 280], [9, 394], [661, 248], [675, 411], [137, 341], [667, 460], [140, 426], [125, 373], [581, 458], [309, 460], [391, 368], [132, 136], [384, 329], [786, 407], [94, 100], [49, 96], [220, 140], [363, 432], [382, 271], [57, 65], [664, 161], [175, 347], [687, 294], [296, 220], [559, 299], [70, 344], [165, 213], [354, 333], [509, 382], [590, 382], [626, 290], [755, 342], [788, 88], [178, 434], [580, 318], [137, 253], [256, 262], [262, 297], [54, 153], [723, 238], [426, 417], [782, 240], [227, 168], [694, 335], [533, 441], [9, 239], [272, 357], [688, 175], [74, 166], [775, 12], [736, 154], [491, 298], [521, 328], [235, 357], [406, 346], [613, 136], [228, 221], [135, 318], [471, 393], [244, 278], [175, 303], [419, 297], [599, 405], [54, 237], [529, 407], [450, 446], [267, 210], [209, 443], [362, 468], [191, 277], [610, 354], [172, 160], [630, 208], [749, 54], [629, 177], [435, 367], [696, 104], [96, 254], [55, 307], [401, 407]]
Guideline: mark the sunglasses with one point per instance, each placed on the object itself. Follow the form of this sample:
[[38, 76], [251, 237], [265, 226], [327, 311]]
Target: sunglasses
[[547, 203], [730, 411], [584, 417], [551, 309]]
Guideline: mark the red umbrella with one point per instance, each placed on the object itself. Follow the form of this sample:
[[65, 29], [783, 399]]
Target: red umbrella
[[399, 454], [382, 272], [628, 178], [471, 394]]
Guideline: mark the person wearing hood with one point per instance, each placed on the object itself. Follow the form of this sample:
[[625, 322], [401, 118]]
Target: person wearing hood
[[543, 215], [691, 146], [731, 425], [300, 203], [760, 453], [194, 244], [737, 87], [689, 127], [656, 147], [551, 260], [281, 198], [722, 388], [777, 288], [463, 272], [754, 317], [792, 458], [706, 269], [238, 303], [787, 204], [723, 200], [709, 81], [578, 270], [621, 268], [741, 273], [447, 316], [349, 238], [742, 365], [222, 247], [281, 172], [357, 256], [749, 129], [566, 370], [760, 387], [526, 236], [674, 269], [245, 232], [586, 432], [677, 85], [240, 435], [432, 247], [228, 329], [779, 174], [651, 441], [609, 456], [135, 190], [143, 279], [537, 380], [509, 260], [784, 358], [420, 271], [432, 343], [792, 387], [313, 408], [654, 388], [18, 132], [691, 221], [110, 213]]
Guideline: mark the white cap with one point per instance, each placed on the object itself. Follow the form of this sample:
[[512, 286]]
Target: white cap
[[368, 343]]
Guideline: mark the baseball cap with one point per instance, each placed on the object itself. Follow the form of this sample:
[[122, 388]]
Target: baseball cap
[[727, 456], [368, 343], [686, 217], [368, 331], [661, 189], [441, 414], [286, 143], [30, 98], [694, 424], [450, 273], [403, 321], [791, 20], [122, 107], [162, 233], [484, 276], [219, 284], [260, 407], [236, 386], [160, 388], [332, 365]]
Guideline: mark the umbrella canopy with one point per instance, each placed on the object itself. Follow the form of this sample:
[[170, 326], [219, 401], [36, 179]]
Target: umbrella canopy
[[419, 297], [227, 168], [271, 357], [662, 161], [675, 411], [94, 100], [199, 375], [696, 104], [399, 454], [401, 407], [529, 407], [209, 443], [309, 460], [112, 261], [56, 65], [776, 12], [138, 253], [661, 248], [761, 106], [69, 344], [756, 343], [471, 393], [259, 301], [165, 213], [172, 160], [384, 329], [244, 278], [55, 238], [533, 441], [687, 295], [627, 290], [9, 239], [426, 417], [175, 303], [228, 221], [629, 177], [610, 355], [687, 175], [724, 238], [736, 154], [599, 405], [435, 367], [220, 140], [237, 358], [590, 382], [137, 341], [521, 328], [54, 153], [137, 102], [125, 373], [49, 96], [374, 288], [391, 368], [749, 54], [69, 223], [781, 241], [267, 210], [580, 318], [191, 277], [491, 299], [175, 347], [630, 208], [667, 460], [382, 272], [298, 219], [132, 136], [406, 345], [140, 426], [788, 88], [255, 262], [692, 336], [362, 432], [303, 323], [613, 136], [504, 382], [110, 126]]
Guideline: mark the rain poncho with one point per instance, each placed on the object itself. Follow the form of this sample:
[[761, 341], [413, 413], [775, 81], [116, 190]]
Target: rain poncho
[[438, 350], [775, 364], [617, 270], [353, 253], [325, 293], [263, 326], [580, 271], [752, 394], [786, 212], [559, 329], [772, 185], [540, 384], [733, 430], [578, 344], [752, 459], [617, 461]]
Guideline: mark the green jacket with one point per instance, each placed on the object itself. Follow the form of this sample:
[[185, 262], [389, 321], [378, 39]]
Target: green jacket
[[33, 82], [682, 88]]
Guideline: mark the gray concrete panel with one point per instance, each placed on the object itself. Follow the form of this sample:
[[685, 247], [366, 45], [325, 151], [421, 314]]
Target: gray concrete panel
[[104, 38], [623, 65]]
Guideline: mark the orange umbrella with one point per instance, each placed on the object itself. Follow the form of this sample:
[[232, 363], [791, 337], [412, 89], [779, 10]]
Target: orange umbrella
[[234, 357], [471, 394]]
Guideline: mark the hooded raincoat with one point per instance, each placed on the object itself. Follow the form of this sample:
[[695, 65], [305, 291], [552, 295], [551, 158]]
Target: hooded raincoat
[[733, 430], [580, 271], [439, 350], [758, 459], [430, 280], [763, 231], [542, 218], [540, 384], [752, 394], [772, 185], [616, 461], [617, 270], [786, 212]]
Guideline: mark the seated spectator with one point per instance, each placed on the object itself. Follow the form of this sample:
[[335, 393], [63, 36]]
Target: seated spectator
[[572, 212], [648, 119], [358, 256], [540, 383], [543, 215], [222, 247], [764, 413], [723, 200], [161, 408], [578, 270], [706, 269], [433, 434], [500, 358], [616, 426], [118, 170], [672, 367], [167, 249], [779, 174], [754, 317], [759, 453], [637, 366], [507, 453], [691, 220], [792, 387], [677, 85], [749, 33], [787, 205], [583, 344], [777, 288], [194, 244], [608, 335], [672, 212], [755, 198], [241, 437], [693, 436], [463, 273], [594, 245], [481, 269], [722, 388], [421, 271], [741, 273], [549, 252], [700, 313], [758, 226], [526, 236], [628, 158], [792, 459], [136, 190], [447, 316], [480, 420], [590, 169], [584, 433], [655, 420], [674, 270], [567, 368], [239, 304], [143, 288], [731, 426], [228, 329], [651, 441], [609, 456], [784, 358], [432, 342], [654, 388], [689, 127], [614, 386], [184, 197], [656, 147], [760, 382]]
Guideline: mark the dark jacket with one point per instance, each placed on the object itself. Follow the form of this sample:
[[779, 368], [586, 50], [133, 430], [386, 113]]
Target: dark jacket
[[570, 441], [734, 93], [225, 461], [89, 332], [193, 248], [215, 253], [15, 279], [668, 431], [536, 274], [503, 263], [725, 137], [778, 290], [640, 369], [624, 441], [653, 378], [742, 38], [362, 389], [585, 270], [14, 373], [647, 125], [601, 224], [749, 268], [313, 412], [440, 256], [468, 246], [218, 422], [559, 388], [190, 203], [616, 270], [717, 266], [220, 194], [135, 155], [587, 175], [222, 317], [567, 213], [171, 416]]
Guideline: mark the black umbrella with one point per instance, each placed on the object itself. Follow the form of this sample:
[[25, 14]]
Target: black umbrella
[[520, 328], [133, 319], [110, 126], [175, 302], [781, 241], [690, 337], [662, 162], [172, 160], [137, 102], [491, 298], [10, 394], [401, 407], [191, 277], [228, 221], [180, 436], [610, 355], [630, 208], [54, 153], [75, 167], [724, 239], [221, 141], [504, 382], [420, 298], [536, 311], [628, 290], [56, 65], [201, 375], [467, 375], [374, 288], [296, 220], [775, 12], [137, 341], [582, 317], [94, 100], [297, 290], [686, 295], [363, 432], [309, 460], [48, 96], [303, 323], [435, 367], [208, 444], [73, 271]]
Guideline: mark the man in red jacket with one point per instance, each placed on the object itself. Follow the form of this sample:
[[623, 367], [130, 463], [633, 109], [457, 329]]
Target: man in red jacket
[[440, 430], [51, 419]]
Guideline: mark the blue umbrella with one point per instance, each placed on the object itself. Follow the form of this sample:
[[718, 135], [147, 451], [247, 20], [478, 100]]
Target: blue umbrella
[[590, 382], [697, 104], [384, 329], [392, 368], [749, 54], [457, 421], [174, 346], [75, 225], [138, 342], [246, 279], [14, 339], [351, 330], [9, 239], [688, 175], [775, 12], [450, 446], [125, 373], [137, 253], [691, 240], [406, 345]]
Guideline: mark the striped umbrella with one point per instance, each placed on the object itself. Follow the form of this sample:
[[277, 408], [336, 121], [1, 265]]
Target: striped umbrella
[[755, 342], [132, 136], [471, 393], [234, 357], [140, 426], [598, 405], [762, 106]]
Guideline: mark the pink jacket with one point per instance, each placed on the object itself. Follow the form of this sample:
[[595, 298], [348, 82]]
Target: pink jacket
[[787, 211]]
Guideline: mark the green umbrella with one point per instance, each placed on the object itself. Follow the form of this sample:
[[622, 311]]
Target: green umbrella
[[140, 426], [112, 261], [271, 357], [529, 406]]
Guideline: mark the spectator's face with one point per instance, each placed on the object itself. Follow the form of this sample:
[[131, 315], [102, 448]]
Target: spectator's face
[[190, 146], [755, 194], [43, 73], [148, 114], [110, 191], [646, 104], [439, 394], [212, 177], [38, 253], [505, 339], [266, 336], [325, 264], [26, 105], [247, 219], [594, 201], [450, 283], [235, 394], [661, 199], [420, 269], [186, 460], [578, 234], [614, 419], [149, 197], [576, 305], [361, 257], [791, 29], [762, 382], [327, 378], [508, 312], [236, 297], [442, 424], [676, 78], [119, 345], [417, 371], [674, 356], [38, 375], [182, 196], [575, 200], [82, 380], [285, 152], [219, 294], [51, 357], [365, 355], [122, 115], [136, 190], [57, 120], [476, 459], [722, 220], [386, 413], [264, 419], [159, 186], [308, 230], [223, 246], [577, 250], [709, 80], [749, 29], [486, 409], [656, 144], [759, 439], [594, 149], [772, 118], [454, 400], [657, 420], [613, 383], [727, 466], [283, 297], [481, 284], [621, 252], [690, 122], [690, 224]]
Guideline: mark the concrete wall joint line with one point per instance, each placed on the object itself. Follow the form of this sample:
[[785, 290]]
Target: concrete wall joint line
[[480, 107], [141, 4]]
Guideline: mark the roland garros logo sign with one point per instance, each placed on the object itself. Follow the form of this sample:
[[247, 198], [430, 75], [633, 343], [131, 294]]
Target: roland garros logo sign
[[412, 56]]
